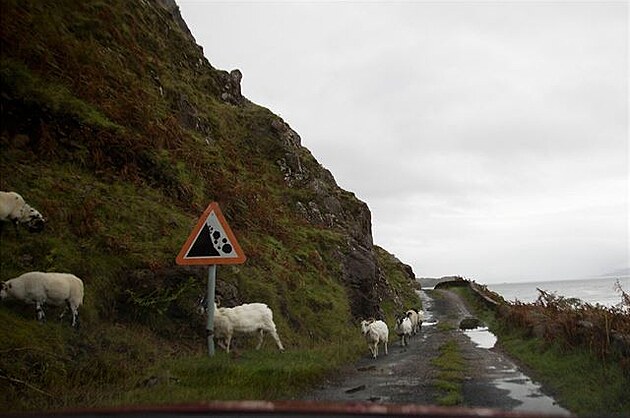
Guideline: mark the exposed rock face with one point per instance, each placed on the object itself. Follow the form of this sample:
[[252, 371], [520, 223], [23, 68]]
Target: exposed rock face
[[330, 206], [173, 9], [327, 206], [231, 87], [409, 271]]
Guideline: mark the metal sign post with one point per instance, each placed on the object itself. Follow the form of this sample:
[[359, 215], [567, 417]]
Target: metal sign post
[[212, 278], [210, 243]]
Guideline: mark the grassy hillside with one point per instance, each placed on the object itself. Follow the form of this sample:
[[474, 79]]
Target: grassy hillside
[[118, 129]]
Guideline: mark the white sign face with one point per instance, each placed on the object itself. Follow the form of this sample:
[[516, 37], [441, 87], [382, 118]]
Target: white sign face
[[211, 242]]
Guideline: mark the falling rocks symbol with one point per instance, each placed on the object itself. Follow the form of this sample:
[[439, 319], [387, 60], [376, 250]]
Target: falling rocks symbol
[[210, 243]]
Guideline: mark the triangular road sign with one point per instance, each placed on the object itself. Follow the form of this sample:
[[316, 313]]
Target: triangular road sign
[[211, 241]]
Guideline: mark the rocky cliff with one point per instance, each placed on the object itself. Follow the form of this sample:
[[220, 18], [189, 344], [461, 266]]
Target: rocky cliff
[[118, 128]]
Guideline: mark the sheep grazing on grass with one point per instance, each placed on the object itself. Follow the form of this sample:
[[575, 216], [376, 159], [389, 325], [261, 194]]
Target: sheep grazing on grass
[[416, 318], [14, 209], [375, 332], [37, 288], [246, 318], [404, 329]]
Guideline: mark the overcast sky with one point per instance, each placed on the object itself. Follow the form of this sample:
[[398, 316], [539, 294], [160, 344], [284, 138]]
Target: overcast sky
[[489, 139]]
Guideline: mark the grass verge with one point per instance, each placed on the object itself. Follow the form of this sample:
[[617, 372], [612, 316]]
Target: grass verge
[[451, 367], [579, 381], [251, 375]]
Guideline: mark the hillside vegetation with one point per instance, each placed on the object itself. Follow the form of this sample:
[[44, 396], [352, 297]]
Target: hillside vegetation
[[119, 130]]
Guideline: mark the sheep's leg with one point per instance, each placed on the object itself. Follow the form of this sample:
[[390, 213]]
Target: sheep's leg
[[65, 309], [41, 316], [261, 335], [275, 336], [385, 343], [75, 317], [15, 226], [221, 343], [228, 340], [63, 312]]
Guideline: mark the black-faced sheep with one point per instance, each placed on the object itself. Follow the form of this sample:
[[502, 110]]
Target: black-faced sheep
[[375, 332], [14, 209], [246, 318], [37, 288], [404, 329]]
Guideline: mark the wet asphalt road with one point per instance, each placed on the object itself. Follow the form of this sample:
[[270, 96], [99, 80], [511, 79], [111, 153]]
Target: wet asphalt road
[[406, 375]]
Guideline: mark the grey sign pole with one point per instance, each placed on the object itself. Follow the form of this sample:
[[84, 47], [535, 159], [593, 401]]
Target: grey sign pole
[[212, 277]]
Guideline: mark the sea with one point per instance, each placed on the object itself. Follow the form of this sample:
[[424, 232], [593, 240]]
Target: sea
[[600, 290]]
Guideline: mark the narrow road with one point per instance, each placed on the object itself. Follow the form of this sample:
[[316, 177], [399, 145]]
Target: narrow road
[[406, 375]]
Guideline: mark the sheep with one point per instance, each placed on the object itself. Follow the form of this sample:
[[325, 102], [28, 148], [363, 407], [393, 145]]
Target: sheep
[[416, 318], [375, 332], [46, 288], [246, 318], [404, 329], [14, 209]]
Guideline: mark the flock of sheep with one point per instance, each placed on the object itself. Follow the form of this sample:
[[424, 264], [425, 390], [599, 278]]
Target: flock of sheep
[[376, 331], [65, 289], [258, 318]]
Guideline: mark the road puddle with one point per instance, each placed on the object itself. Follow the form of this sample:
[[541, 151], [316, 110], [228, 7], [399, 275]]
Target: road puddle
[[427, 307], [529, 394], [481, 337], [519, 387]]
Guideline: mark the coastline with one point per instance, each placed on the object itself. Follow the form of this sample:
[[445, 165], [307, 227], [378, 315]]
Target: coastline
[[599, 290]]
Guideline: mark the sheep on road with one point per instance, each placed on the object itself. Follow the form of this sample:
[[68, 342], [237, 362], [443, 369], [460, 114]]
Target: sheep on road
[[375, 332]]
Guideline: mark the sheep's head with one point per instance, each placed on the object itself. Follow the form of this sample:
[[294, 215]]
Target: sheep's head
[[32, 220], [202, 305], [365, 326], [3, 290]]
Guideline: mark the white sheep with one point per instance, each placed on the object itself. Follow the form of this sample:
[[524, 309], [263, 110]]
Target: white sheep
[[14, 209], [246, 318], [404, 329], [375, 332], [416, 318], [58, 289]]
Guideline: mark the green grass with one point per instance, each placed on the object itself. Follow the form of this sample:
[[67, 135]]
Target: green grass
[[443, 326], [451, 368], [580, 382], [400, 294], [266, 374], [89, 373], [19, 82]]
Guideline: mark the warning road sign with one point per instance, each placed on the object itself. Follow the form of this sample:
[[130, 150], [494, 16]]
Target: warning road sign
[[211, 241]]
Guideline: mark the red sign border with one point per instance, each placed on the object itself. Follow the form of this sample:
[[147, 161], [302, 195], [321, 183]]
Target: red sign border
[[240, 255]]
